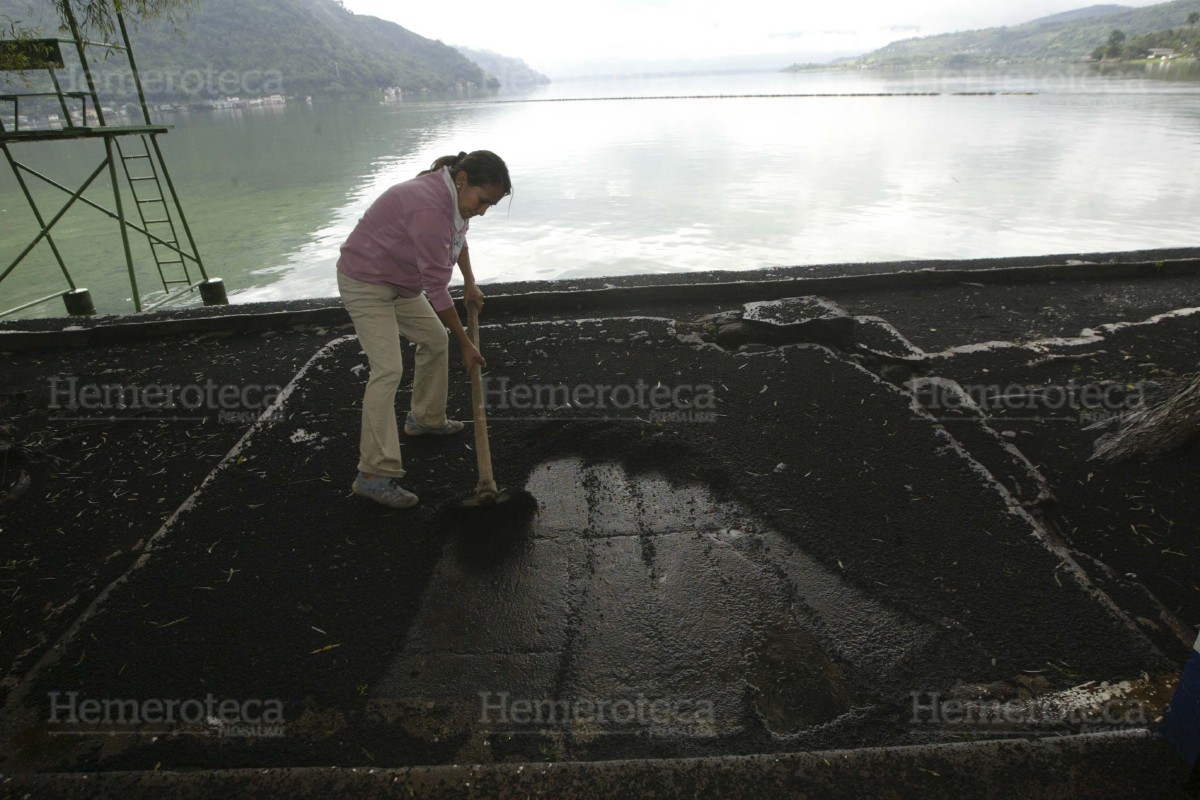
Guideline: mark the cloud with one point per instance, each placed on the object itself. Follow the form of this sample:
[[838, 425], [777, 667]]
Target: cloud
[[549, 34], [802, 34]]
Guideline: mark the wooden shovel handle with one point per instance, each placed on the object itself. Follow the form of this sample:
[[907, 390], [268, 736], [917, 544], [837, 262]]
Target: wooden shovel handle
[[483, 453]]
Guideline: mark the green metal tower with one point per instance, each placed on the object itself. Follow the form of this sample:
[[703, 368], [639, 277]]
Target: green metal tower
[[141, 176]]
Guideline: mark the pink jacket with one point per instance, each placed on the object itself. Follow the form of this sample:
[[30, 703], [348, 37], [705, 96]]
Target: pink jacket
[[409, 239]]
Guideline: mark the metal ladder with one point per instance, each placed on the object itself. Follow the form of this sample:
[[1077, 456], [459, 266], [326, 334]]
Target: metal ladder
[[155, 212]]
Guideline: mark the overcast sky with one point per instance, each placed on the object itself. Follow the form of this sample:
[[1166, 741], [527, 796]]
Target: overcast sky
[[565, 38]]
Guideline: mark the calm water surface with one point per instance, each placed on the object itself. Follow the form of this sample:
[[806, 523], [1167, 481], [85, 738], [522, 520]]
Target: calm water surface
[[1058, 163]]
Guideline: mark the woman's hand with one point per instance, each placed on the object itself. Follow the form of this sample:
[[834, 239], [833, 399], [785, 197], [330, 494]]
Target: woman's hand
[[471, 357], [472, 296]]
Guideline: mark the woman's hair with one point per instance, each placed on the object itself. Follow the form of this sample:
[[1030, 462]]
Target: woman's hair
[[482, 168]]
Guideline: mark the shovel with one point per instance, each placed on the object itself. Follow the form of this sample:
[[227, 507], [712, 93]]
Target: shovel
[[487, 494]]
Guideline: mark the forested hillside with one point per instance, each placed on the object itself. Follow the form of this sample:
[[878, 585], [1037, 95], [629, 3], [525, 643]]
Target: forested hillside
[[1065, 37], [508, 72], [296, 47]]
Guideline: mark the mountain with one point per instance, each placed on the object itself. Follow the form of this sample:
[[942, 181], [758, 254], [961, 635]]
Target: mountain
[[297, 47], [509, 72], [1079, 13], [1070, 36]]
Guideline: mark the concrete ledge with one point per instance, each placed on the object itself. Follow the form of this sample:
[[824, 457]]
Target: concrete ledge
[[80, 332], [124, 330], [1096, 766], [746, 291]]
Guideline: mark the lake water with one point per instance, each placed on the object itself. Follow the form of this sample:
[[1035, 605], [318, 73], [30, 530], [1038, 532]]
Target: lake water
[[670, 177]]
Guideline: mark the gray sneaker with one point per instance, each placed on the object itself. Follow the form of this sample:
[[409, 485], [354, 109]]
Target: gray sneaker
[[414, 428], [387, 491]]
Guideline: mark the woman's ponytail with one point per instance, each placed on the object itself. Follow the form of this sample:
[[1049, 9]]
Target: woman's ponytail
[[445, 161], [482, 167]]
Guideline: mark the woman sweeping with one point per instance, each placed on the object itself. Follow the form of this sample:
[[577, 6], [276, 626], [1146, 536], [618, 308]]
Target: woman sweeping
[[393, 275]]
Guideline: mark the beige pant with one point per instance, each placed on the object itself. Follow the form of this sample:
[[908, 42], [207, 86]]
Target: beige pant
[[380, 317]]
